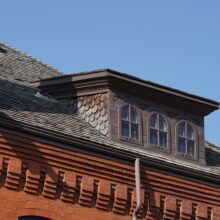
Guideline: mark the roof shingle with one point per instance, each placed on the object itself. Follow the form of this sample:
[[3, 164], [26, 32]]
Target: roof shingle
[[18, 103], [17, 65]]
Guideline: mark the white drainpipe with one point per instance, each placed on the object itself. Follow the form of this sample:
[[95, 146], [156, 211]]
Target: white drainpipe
[[138, 188]]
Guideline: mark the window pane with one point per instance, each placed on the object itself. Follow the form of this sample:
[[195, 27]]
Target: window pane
[[125, 128], [191, 148], [153, 137], [125, 112], [153, 121], [134, 116], [162, 124], [181, 145], [181, 129], [134, 131], [163, 139], [190, 132]]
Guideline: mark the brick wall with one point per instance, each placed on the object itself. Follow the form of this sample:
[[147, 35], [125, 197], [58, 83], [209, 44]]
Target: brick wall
[[45, 180]]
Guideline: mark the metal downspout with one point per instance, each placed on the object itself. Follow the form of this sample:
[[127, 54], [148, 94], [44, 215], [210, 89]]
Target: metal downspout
[[138, 188]]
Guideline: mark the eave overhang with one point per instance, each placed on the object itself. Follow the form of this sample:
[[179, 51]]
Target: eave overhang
[[99, 81], [104, 151]]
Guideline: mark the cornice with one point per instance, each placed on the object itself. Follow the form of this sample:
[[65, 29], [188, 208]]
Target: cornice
[[119, 155], [99, 81]]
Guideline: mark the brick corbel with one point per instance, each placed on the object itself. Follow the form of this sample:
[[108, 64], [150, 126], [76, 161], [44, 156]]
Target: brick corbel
[[86, 191], [50, 184], [32, 178], [121, 195], [69, 187], [169, 208], [104, 195], [186, 210], [201, 212], [134, 202], [154, 206], [215, 213], [13, 174], [1, 164]]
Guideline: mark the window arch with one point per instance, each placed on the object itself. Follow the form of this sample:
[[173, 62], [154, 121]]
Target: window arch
[[186, 139], [32, 218], [129, 122], [158, 130]]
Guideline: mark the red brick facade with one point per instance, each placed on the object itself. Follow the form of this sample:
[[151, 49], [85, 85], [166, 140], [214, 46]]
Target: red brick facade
[[45, 180]]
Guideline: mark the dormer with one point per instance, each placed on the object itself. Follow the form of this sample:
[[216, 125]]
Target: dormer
[[134, 112]]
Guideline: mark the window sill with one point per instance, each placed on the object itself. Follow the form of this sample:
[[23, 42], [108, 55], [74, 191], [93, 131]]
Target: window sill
[[158, 148], [190, 157]]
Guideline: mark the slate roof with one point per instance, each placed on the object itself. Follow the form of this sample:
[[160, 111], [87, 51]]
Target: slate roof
[[17, 65], [18, 103]]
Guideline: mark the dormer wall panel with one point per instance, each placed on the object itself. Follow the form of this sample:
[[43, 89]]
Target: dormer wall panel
[[99, 96], [93, 109]]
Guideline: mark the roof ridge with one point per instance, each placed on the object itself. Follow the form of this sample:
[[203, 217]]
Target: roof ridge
[[31, 57]]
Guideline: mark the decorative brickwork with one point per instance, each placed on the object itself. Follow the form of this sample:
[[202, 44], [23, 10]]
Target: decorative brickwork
[[32, 178], [121, 197], [50, 186], [104, 195], [170, 208], [62, 184], [86, 191], [69, 187], [144, 196], [186, 210], [13, 176], [93, 109]]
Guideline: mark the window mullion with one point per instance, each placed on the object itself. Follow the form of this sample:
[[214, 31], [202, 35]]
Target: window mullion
[[129, 121], [158, 131], [158, 137], [129, 126], [157, 125], [186, 142], [129, 113]]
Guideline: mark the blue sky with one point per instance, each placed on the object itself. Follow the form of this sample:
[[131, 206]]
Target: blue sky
[[174, 43]]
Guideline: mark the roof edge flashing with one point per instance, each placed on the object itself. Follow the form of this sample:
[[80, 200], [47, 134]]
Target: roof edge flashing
[[110, 75]]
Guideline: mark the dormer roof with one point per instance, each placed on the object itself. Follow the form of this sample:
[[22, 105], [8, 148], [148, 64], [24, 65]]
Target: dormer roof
[[88, 83]]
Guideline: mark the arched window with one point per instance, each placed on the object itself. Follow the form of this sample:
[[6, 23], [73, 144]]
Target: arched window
[[186, 139], [32, 218], [129, 122], [158, 130]]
